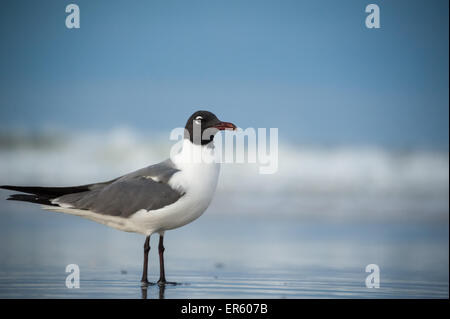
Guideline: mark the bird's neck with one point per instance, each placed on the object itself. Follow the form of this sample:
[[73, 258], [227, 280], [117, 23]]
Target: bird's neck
[[195, 154]]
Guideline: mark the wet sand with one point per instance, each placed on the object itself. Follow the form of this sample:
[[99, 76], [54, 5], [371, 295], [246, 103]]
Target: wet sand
[[217, 257], [110, 284]]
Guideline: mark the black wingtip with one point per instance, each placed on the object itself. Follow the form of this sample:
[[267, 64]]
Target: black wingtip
[[31, 199], [49, 192], [14, 188]]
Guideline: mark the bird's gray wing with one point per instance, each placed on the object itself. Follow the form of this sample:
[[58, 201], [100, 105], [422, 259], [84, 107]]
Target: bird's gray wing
[[160, 172], [146, 188]]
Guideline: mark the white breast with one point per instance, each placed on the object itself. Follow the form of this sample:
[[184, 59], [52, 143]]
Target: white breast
[[197, 178]]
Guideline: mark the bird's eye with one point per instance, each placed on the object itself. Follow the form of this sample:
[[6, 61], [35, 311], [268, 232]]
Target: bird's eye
[[198, 120]]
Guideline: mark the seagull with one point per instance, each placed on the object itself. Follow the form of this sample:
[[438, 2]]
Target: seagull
[[151, 200]]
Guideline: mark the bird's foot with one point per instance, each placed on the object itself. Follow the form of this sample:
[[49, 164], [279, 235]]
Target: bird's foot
[[146, 283], [163, 282]]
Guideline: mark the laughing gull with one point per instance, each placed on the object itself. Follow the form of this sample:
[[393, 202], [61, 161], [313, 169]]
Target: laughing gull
[[151, 200]]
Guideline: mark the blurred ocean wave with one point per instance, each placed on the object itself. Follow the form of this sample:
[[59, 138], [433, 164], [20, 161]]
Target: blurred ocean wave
[[336, 183]]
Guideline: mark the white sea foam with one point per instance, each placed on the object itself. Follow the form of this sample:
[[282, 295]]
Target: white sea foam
[[311, 182]]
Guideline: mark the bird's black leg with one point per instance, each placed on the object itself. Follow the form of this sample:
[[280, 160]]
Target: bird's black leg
[[144, 280], [162, 274]]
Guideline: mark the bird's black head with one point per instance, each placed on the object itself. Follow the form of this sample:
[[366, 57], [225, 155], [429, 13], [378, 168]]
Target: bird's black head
[[203, 125]]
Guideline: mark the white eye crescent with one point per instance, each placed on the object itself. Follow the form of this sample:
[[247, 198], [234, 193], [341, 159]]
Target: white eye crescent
[[198, 120]]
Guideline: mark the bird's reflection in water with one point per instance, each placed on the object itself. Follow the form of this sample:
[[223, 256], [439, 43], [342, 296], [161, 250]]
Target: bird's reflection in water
[[161, 288], [144, 292]]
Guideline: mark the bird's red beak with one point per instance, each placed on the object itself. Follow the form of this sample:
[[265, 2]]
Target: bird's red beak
[[225, 125]]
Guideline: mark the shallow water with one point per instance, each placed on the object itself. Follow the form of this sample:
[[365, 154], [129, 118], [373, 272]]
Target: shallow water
[[221, 256], [110, 284]]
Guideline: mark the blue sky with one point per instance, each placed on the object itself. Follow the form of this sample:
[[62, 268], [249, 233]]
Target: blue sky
[[310, 68]]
